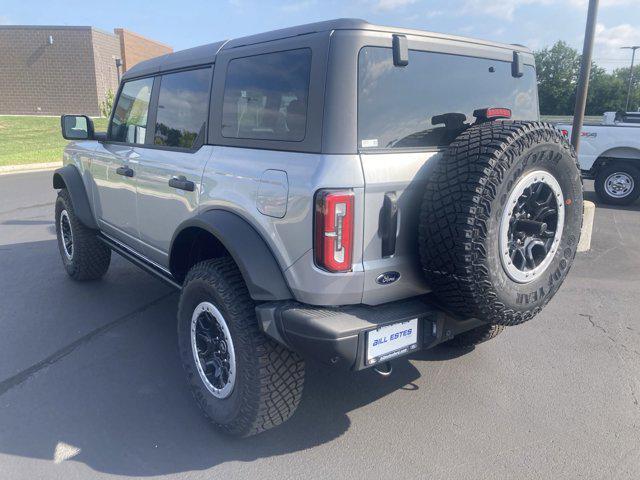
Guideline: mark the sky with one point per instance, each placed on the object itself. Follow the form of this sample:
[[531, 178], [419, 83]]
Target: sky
[[188, 23]]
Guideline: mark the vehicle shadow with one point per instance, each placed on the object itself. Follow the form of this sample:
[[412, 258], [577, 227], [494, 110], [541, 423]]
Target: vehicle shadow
[[117, 400], [441, 353]]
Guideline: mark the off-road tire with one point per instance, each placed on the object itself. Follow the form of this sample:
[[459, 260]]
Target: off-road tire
[[459, 227], [269, 377], [476, 336], [605, 172], [90, 257]]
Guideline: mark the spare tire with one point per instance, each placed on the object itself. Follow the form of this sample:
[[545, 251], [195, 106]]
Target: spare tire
[[500, 220]]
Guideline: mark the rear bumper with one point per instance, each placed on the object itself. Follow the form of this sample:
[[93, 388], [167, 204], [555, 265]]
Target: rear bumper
[[337, 336]]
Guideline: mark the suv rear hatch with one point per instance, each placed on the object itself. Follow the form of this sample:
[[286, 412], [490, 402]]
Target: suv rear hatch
[[407, 115]]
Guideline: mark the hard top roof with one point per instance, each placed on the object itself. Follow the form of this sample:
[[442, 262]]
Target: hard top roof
[[206, 54]]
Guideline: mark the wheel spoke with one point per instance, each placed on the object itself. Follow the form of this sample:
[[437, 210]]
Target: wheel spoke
[[529, 260], [213, 350], [534, 221]]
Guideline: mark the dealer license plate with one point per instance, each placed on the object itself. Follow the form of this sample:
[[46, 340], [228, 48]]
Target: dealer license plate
[[392, 341]]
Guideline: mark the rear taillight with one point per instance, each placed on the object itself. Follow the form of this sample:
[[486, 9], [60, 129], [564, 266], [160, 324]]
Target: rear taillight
[[498, 113], [334, 230], [484, 114]]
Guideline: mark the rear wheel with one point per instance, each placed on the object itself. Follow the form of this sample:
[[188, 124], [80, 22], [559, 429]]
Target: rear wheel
[[500, 221], [618, 184], [244, 382]]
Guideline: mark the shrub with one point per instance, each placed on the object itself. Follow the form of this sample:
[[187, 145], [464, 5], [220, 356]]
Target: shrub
[[107, 104]]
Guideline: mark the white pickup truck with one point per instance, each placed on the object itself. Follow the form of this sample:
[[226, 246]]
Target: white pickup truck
[[609, 153]]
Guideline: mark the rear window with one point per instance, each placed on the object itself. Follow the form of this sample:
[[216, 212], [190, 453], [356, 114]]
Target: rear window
[[265, 96], [628, 117], [431, 100]]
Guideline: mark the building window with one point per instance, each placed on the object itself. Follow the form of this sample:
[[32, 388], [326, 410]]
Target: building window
[[183, 105], [265, 96]]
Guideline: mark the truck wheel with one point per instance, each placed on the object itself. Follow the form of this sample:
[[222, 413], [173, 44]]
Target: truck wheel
[[244, 382], [500, 220], [476, 336], [84, 256], [618, 184]]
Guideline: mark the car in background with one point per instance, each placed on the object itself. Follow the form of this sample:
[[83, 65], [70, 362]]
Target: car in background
[[610, 154]]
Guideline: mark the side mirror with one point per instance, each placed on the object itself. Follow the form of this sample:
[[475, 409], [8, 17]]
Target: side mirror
[[77, 127]]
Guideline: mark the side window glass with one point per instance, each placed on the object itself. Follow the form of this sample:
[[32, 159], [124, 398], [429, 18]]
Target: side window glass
[[183, 104], [265, 96], [129, 122]]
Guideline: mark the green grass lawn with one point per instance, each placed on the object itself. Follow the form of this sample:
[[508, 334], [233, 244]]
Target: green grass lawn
[[32, 139]]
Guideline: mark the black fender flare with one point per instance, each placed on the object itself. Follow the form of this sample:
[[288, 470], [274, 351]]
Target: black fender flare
[[254, 258], [69, 177]]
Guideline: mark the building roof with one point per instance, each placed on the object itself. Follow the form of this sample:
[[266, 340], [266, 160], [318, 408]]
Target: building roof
[[172, 61], [54, 27], [207, 53]]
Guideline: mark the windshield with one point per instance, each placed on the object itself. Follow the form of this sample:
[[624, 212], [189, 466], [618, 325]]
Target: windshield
[[431, 101]]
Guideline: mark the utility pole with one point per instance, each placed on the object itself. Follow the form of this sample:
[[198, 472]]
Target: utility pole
[[633, 57], [585, 70]]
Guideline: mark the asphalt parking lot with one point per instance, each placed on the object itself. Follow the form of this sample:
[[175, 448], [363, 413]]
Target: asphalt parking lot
[[91, 385]]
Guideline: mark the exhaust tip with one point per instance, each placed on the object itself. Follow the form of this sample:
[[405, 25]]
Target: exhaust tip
[[384, 369]]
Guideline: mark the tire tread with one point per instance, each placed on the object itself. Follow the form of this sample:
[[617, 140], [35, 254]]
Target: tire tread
[[280, 371], [455, 212], [91, 258]]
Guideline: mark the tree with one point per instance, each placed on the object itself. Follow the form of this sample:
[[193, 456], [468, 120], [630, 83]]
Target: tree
[[605, 92], [622, 74], [107, 104], [557, 69]]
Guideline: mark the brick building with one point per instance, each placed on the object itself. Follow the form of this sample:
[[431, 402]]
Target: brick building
[[51, 70]]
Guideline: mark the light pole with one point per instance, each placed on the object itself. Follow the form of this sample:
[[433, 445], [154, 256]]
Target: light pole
[[118, 65], [585, 69], [633, 57]]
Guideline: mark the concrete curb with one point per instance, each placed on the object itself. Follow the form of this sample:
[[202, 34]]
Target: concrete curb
[[29, 167], [587, 226]]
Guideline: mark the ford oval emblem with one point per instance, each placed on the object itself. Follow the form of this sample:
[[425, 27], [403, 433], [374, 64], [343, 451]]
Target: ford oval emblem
[[388, 277]]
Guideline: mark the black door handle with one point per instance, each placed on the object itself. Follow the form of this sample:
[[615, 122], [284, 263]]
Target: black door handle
[[182, 183], [125, 171]]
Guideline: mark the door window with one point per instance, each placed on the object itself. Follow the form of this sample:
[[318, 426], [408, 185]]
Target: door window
[[265, 96], [129, 123], [183, 105]]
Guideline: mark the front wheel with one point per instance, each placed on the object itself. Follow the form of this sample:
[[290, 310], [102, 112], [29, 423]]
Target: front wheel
[[618, 184], [84, 256], [243, 381]]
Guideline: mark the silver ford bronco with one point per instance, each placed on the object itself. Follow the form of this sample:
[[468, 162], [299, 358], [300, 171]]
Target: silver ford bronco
[[337, 192]]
